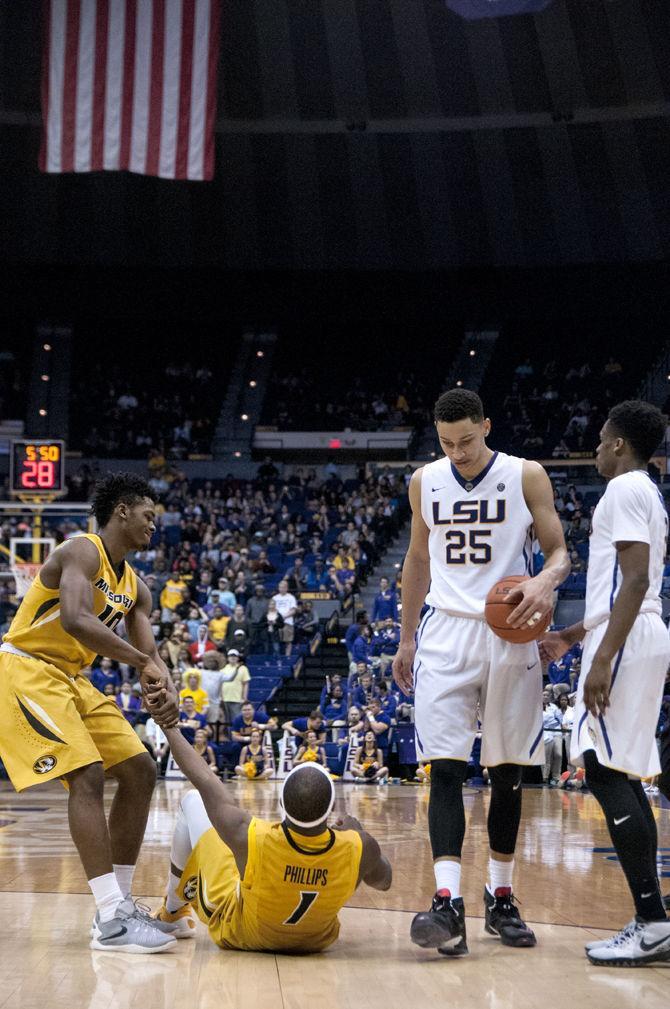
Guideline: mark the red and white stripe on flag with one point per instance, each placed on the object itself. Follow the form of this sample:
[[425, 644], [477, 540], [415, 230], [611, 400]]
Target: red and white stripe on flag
[[130, 84]]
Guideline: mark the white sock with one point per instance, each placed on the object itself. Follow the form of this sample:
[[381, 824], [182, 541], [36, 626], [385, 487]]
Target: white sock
[[448, 876], [172, 901], [124, 875], [107, 894], [500, 874], [179, 855]]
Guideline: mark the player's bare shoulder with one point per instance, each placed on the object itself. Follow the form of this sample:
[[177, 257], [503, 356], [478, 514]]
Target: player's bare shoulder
[[79, 554], [415, 487], [533, 472], [535, 483]]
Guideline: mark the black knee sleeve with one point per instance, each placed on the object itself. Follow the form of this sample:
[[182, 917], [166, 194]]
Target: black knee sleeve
[[648, 814], [624, 804], [664, 783], [505, 808], [506, 777], [607, 785], [632, 829], [664, 780], [446, 815]]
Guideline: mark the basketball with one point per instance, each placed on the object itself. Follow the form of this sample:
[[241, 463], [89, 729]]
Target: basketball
[[499, 606]]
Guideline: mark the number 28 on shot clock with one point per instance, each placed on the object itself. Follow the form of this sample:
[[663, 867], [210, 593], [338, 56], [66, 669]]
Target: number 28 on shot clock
[[37, 466]]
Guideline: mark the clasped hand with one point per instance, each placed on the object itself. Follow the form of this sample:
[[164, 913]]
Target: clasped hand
[[160, 696]]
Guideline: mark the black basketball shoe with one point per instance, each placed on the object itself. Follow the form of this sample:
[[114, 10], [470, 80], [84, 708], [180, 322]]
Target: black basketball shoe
[[443, 927], [502, 918]]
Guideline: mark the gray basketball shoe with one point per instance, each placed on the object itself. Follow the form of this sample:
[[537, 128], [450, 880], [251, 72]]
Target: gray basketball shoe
[[130, 932], [143, 912]]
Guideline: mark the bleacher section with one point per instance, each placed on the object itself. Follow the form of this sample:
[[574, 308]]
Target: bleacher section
[[558, 388], [270, 672], [169, 409]]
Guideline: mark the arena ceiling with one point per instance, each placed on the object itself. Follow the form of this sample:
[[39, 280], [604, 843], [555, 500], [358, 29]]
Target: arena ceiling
[[363, 134]]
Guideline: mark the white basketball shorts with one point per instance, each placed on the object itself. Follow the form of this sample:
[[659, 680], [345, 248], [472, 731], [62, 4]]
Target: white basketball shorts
[[462, 672], [624, 738]]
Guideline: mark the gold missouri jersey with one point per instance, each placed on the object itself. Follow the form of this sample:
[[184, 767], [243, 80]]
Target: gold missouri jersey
[[292, 891], [36, 629]]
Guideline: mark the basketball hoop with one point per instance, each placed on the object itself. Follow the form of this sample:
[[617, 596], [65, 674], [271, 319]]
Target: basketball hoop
[[23, 573]]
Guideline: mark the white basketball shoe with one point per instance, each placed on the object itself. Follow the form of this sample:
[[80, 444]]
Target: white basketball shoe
[[639, 943]]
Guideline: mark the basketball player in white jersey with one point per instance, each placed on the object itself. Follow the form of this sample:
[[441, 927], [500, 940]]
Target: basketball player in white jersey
[[474, 513], [624, 663]]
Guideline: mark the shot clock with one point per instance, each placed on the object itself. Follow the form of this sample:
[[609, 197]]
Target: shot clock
[[37, 466]]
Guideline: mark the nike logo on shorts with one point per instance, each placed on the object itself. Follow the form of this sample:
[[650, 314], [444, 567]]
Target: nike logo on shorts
[[622, 820], [645, 895], [531, 666], [516, 787]]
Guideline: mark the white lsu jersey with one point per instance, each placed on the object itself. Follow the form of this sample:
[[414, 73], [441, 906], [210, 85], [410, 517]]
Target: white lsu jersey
[[480, 531], [632, 509]]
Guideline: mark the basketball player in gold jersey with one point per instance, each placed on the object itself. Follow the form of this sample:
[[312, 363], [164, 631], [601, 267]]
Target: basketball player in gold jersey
[[55, 724], [262, 885]]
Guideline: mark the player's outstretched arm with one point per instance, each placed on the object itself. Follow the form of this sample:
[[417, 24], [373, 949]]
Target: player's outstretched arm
[[556, 643], [537, 594], [229, 821], [79, 562], [160, 693], [375, 868], [415, 582]]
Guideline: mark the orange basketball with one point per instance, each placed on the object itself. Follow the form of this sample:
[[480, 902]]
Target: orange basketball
[[498, 608]]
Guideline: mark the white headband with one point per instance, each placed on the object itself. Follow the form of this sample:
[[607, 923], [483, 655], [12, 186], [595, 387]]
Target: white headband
[[313, 823]]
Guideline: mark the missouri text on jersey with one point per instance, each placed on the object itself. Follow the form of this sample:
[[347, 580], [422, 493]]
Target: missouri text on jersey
[[114, 597]]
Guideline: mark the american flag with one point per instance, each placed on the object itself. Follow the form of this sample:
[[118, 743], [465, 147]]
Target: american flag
[[130, 84]]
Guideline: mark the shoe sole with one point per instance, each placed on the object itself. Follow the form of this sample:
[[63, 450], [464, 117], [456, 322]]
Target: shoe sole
[[95, 933], [521, 942], [132, 947], [184, 933], [638, 961], [428, 934]]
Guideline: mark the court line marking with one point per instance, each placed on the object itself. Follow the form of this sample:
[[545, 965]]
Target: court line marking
[[281, 992]]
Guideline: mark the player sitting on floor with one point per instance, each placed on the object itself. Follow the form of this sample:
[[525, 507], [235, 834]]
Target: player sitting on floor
[[259, 884]]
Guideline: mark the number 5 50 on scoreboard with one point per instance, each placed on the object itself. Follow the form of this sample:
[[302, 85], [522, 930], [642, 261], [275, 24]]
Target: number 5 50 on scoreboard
[[37, 467]]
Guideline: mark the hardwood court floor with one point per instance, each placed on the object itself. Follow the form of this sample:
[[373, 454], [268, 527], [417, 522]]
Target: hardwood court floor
[[569, 890]]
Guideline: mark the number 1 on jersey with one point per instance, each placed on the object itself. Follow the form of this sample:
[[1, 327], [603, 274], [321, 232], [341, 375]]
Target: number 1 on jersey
[[307, 898]]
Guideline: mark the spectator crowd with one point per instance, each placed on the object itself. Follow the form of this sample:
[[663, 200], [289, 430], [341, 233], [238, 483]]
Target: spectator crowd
[[294, 404], [556, 411], [227, 570], [167, 412]]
